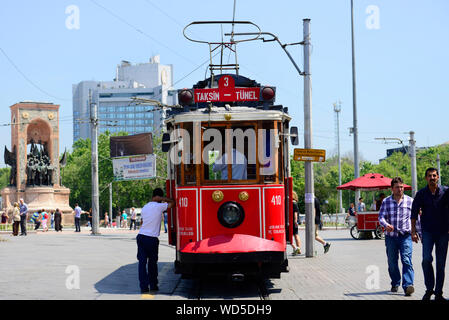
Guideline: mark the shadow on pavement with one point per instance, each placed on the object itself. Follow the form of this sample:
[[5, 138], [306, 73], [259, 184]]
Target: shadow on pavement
[[125, 280], [361, 294]]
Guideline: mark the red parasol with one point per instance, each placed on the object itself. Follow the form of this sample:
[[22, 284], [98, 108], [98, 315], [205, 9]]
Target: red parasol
[[370, 182]]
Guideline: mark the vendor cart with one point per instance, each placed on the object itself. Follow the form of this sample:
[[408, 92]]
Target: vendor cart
[[368, 221]]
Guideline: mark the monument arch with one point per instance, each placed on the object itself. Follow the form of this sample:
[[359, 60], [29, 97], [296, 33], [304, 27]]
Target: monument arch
[[34, 160]]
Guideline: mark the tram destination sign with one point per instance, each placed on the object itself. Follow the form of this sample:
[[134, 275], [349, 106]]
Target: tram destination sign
[[315, 155], [227, 92]]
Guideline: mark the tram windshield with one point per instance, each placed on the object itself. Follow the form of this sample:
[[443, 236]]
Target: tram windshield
[[231, 153]]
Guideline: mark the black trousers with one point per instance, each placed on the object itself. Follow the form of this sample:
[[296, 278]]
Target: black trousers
[[133, 222], [77, 225], [147, 254], [15, 228], [23, 224]]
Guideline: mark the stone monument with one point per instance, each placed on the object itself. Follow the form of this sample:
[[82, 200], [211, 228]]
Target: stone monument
[[34, 160]]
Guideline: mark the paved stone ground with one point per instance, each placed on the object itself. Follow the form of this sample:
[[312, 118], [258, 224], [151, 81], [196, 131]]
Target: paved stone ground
[[41, 265]]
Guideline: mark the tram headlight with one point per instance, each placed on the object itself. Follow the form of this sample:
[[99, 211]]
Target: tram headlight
[[231, 214], [185, 97], [268, 93]]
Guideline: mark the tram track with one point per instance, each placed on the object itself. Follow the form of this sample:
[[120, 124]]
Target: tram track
[[223, 288]]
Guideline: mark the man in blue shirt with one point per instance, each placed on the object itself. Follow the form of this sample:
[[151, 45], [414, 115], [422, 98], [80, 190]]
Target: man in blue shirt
[[394, 216], [239, 166], [23, 218], [434, 227]]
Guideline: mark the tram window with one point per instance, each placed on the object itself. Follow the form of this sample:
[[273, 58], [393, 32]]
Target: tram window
[[214, 145], [220, 165], [186, 171], [268, 163]]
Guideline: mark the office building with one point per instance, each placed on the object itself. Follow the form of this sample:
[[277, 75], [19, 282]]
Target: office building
[[116, 109]]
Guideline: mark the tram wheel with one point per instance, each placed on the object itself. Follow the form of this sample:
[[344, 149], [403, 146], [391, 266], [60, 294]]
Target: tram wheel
[[355, 232], [379, 233]]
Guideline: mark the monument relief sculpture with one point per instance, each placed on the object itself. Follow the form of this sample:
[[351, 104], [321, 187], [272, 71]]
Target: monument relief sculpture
[[34, 160]]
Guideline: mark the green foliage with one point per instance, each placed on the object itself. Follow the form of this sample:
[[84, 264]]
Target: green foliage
[[77, 176], [4, 177]]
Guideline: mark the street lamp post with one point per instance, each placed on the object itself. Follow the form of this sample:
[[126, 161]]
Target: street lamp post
[[354, 102], [337, 109]]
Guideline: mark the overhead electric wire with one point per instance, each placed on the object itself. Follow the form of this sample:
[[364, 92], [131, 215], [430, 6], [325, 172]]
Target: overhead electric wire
[[28, 79], [140, 31]]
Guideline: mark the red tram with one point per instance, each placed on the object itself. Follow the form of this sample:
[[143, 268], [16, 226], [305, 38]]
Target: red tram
[[233, 215]]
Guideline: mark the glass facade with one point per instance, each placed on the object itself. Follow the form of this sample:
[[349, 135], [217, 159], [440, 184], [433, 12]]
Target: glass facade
[[116, 117]]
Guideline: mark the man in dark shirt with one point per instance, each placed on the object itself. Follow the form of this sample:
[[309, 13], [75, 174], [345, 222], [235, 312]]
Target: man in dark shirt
[[434, 226]]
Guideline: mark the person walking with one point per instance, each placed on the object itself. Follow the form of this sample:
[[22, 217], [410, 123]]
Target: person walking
[[52, 215], [16, 219], [326, 245], [44, 220], [124, 219], [106, 220], [77, 213], [297, 248], [133, 219], [58, 220], [148, 242], [395, 216], [432, 201], [23, 217], [37, 219]]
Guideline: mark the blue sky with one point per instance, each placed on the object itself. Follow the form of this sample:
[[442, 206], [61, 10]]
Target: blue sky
[[402, 67]]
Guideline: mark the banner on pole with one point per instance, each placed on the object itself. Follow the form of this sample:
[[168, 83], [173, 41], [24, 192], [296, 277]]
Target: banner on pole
[[134, 167], [122, 146]]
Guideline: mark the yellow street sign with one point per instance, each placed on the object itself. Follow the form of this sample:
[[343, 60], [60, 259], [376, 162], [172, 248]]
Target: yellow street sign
[[315, 155]]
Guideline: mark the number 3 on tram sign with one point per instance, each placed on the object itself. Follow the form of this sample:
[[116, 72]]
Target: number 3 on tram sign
[[315, 155]]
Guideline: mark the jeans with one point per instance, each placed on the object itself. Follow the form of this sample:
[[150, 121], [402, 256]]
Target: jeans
[[400, 245], [147, 254], [429, 240], [77, 225], [23, 224]]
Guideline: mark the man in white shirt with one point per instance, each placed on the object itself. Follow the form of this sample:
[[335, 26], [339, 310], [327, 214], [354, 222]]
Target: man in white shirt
[[133, 219], [147, 239], [77, 218]]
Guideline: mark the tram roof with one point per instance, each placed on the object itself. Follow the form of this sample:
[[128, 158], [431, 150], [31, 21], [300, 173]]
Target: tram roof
[[217, 114]]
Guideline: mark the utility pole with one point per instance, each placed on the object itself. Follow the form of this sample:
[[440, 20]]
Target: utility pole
[[337, 109], [439, 169], [354, 102], [94, 147], [413, 160], [308, 165], [110, 202]]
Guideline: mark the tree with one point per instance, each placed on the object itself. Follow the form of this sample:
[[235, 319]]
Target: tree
[[77, 176]]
